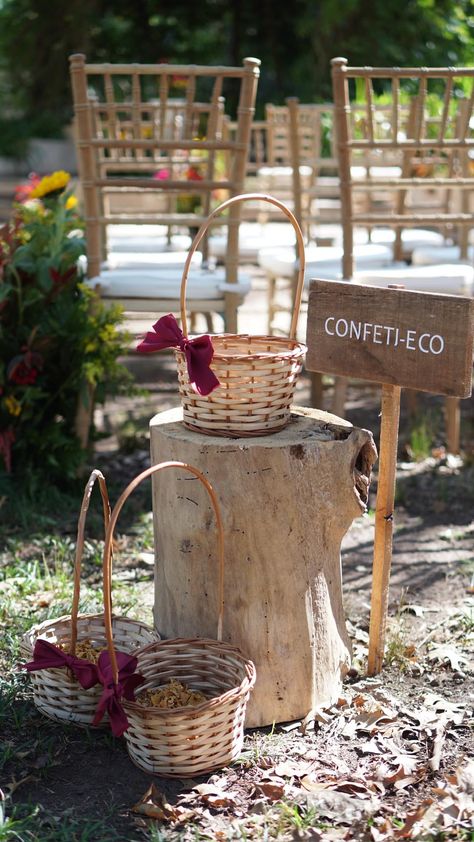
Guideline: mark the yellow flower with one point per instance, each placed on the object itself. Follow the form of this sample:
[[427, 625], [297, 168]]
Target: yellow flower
[[50, 184], [13, 406], [71, 202]]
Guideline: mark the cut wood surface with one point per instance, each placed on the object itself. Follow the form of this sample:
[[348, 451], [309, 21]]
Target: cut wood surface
[[411, 339], [287, 500]]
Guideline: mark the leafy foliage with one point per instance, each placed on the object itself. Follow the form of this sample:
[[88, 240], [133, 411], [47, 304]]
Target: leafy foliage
[[56, 340], [295, 46]]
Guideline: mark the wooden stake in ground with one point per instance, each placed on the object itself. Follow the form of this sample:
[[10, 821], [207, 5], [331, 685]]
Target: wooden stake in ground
[[383, 525], [396, 337]]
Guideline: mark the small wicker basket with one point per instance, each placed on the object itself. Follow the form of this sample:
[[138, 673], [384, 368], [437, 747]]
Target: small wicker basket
[[257, 374], [186, 741], [56, 692]]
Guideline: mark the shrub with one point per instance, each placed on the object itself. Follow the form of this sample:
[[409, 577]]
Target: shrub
[[57, 340]]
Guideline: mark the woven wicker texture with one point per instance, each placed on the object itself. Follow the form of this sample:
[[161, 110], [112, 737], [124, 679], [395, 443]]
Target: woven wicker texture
[[56, 692], [186, 741], [195, 740], [257, 374]]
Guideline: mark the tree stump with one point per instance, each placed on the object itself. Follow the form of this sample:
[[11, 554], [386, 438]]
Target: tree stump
[[287, 500]]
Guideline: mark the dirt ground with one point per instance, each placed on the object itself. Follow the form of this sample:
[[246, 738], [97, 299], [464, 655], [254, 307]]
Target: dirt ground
[[369, 794]]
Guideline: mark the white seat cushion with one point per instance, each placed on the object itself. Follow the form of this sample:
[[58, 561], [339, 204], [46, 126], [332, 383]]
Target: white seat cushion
[[412, 238], [283, 172], [141, 238], [253, 237], [155, 284], [323, 261], [441, 254], [150, 260], [376, 172], [454, 279]]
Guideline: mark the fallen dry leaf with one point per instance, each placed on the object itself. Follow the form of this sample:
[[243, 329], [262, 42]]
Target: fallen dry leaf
[[153, 805], [438, 742], [311, 783], [213, 796], [332, 804], [14, 784], [272, 788], [445, 653], [292, 768], [371, 747]]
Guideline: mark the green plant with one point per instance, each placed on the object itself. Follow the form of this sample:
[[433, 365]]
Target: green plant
[[57, 340], [420, 441]]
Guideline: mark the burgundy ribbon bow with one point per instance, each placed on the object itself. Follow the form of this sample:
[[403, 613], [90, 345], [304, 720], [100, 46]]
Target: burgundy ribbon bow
[[48, 656], [109, 701], [198, 351]]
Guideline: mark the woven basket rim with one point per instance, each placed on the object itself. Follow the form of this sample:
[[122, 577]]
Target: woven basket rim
[[289, 347], [244, 687], [215, 701], [205, 641], [36, 630]]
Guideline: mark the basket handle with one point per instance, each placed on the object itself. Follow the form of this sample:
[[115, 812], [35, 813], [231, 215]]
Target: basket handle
[[263, 197], [107, 562], [95, 475]]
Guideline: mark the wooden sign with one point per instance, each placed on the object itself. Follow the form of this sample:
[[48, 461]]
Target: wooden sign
[[398, 338], [417, 340]]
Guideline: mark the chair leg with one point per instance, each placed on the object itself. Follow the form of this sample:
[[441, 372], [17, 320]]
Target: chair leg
[[316, 389], [453, 424], [84, 415], [232, 302], [271, 294], [209, 322], [339, 396]]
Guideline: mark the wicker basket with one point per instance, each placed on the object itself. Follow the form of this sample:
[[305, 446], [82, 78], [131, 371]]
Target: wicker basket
[[186, 741], [56, 692], [257, 374]]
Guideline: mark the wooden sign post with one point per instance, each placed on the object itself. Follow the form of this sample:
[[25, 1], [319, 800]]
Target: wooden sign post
[[399, 338]]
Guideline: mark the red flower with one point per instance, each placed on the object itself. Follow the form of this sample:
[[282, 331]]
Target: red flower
[[24, 368], [7, 437], [193, 174], [22, 191], [63, 278], [23, 375]]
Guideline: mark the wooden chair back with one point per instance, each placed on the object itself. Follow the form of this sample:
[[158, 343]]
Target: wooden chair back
[[150, 134], [425, 129]]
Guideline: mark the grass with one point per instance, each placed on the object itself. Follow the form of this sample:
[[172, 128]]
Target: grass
[[36, 584], [36, 565], [29, 823]]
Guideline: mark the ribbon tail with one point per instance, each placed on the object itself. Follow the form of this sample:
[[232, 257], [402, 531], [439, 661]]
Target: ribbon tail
[[199, 353], [130, 684], [101, 707], [118, 720]]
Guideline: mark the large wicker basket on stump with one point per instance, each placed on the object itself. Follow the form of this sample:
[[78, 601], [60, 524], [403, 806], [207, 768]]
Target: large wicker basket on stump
[[257, 374], [56, 692], [186, 741]]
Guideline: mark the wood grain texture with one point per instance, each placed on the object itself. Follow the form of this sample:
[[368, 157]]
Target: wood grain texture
[[410, 339], [383, 526], [286, 500]]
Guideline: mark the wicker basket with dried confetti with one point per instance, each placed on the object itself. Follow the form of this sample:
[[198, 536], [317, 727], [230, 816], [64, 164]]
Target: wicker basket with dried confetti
[[66, 658], [201, 735]]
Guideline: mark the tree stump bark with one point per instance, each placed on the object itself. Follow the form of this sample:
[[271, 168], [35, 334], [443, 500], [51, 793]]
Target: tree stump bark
[[287, 500]]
